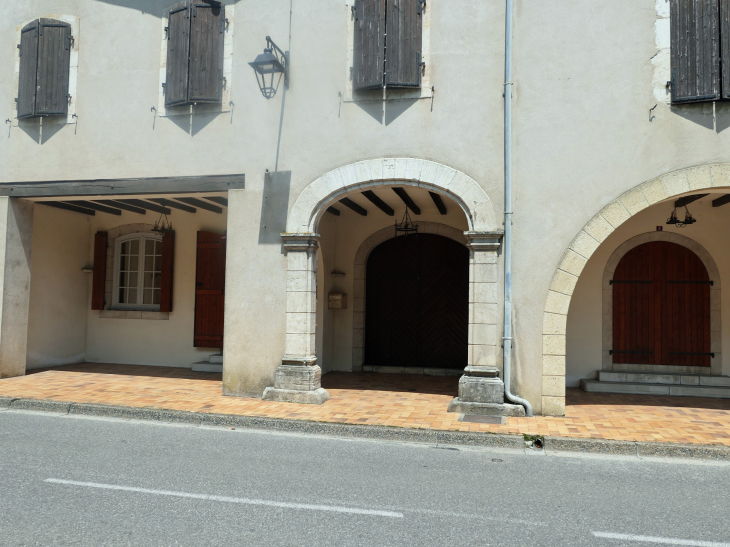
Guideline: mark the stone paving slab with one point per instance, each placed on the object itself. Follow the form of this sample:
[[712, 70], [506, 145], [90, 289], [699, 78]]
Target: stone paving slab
[[390, 402]]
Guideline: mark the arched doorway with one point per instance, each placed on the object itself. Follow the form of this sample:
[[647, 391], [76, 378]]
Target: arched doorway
[[661, 307], [417, 303]]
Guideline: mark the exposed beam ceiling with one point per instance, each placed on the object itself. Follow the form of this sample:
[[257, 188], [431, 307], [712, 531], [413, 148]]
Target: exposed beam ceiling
[[220, 200], [379, 203], [333, 211], [120, 205], [146, 205], [719, 202], [347, 202], [96, 207], [438, 202], [681, 202], [68, 207], [201, 204], [407, 200], [174, 205]]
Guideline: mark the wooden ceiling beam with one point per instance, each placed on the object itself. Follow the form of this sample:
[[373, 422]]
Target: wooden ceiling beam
[[719, 202], [681, 202], [95, 206], [123, 206], [195, 202], [379, 203], [174, 205], [333, 211], [347, 202], [438, 202], [401, 192], [220, 200], [68, 207]]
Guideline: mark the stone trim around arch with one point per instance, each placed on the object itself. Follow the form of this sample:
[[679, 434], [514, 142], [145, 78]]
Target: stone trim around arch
[[471, 197], [555, 315], [710, 266], [361, 259]]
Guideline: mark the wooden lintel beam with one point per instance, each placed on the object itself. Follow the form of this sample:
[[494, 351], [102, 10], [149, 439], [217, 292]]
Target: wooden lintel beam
[[174, 205], [719, 202], [681, 202], [379, 203], [123, 206], [95, 206], [401, 192], [201, 204], [333, 211], [347, 202], [438, 202], [68, 207]]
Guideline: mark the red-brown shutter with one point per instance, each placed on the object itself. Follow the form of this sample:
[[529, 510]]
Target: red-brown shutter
[[168, 262], [210, 284], [98, 285]]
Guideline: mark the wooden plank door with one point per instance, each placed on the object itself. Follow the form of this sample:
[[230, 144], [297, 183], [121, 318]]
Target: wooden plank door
[[210, 283], [417, 303], [661, 307]]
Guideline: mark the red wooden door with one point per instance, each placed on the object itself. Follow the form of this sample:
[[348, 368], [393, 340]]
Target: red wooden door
[[417, 308], [661, 307], [210, 282]]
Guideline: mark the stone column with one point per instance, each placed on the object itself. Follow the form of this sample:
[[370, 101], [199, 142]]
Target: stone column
[[481, 391], [16, 239], [299, 378]]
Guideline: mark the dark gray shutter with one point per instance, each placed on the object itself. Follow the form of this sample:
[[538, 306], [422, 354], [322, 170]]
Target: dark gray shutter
[[695, 29], [28, 69], [178, 47], [368, 45], [205, 79], [725, 46], [54, 56], [403, 43]]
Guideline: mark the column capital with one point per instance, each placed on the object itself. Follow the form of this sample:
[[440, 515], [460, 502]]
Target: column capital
[[302, 242], [484, 241]]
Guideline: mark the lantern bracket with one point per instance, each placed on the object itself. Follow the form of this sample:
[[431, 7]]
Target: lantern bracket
[[281, 56]]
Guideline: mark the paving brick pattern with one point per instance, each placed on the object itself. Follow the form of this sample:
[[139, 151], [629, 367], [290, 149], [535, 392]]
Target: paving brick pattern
[[384, 400]]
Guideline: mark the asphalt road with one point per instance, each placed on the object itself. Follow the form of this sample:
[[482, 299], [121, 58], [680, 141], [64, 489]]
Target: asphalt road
[[67, 480]]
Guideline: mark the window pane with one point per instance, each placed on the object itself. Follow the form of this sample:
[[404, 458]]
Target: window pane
[[158, 247], [131, 296], [125, 248], [149, 247], [123, 262], [158, 280], [157, 297], [158, 263], [132, 277], [147, 296], [148, 280], [122, 280], [122, 296], [134, 263], [149, 263], [135, 246]]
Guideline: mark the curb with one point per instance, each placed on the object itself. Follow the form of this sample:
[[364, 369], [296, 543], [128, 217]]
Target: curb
[[355, 431]]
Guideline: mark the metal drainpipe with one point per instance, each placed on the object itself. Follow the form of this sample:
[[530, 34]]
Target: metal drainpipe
[[507, 339]]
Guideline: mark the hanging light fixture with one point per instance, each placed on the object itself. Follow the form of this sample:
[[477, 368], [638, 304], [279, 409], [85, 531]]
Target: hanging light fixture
[[406, 226], [162, 226], [688, 218], [270, 66]]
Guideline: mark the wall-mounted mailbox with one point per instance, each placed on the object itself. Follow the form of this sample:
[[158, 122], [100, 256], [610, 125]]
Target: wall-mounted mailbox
[[337, 301]]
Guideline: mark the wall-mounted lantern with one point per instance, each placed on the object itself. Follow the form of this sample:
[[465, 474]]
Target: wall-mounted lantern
[[270, 66]]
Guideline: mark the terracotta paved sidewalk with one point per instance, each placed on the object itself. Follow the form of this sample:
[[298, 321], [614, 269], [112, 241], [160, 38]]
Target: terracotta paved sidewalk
[[381, 399]]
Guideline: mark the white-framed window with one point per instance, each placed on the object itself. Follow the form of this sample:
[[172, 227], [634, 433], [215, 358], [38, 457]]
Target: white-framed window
[[137, 271]]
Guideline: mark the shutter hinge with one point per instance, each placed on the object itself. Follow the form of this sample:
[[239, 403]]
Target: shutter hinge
[[164, 88], [226, 22], [20, 53], [70, 42], [225, 81], [354, 9], [423, 68], [421, 6]]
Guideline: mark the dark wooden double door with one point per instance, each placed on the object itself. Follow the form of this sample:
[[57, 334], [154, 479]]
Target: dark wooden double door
[[661, 307], [210, 285], [417, 303]]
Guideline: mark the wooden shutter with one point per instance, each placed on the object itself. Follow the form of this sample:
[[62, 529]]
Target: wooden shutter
[[28, 70], [368, 45], [207, 27], [403, 43], [695, 50], [178, 48], [98, 284], [54, 55], [210, 284], [166, 276]]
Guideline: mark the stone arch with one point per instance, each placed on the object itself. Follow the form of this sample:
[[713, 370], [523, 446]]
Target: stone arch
[[361, 259], [595, 232], [464, 190]]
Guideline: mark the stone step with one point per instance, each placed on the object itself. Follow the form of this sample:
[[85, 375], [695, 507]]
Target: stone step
[[206, 366], [218, 358], [638, 388], [658, 378]]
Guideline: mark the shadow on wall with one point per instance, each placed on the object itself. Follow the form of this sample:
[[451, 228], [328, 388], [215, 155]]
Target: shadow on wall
[[153, 7], [274, 207], [41, 129], [382, 111], [714, 116]]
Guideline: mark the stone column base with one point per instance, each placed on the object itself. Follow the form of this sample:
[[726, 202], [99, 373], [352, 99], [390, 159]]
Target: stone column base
[[481, 392], [300, 383]]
